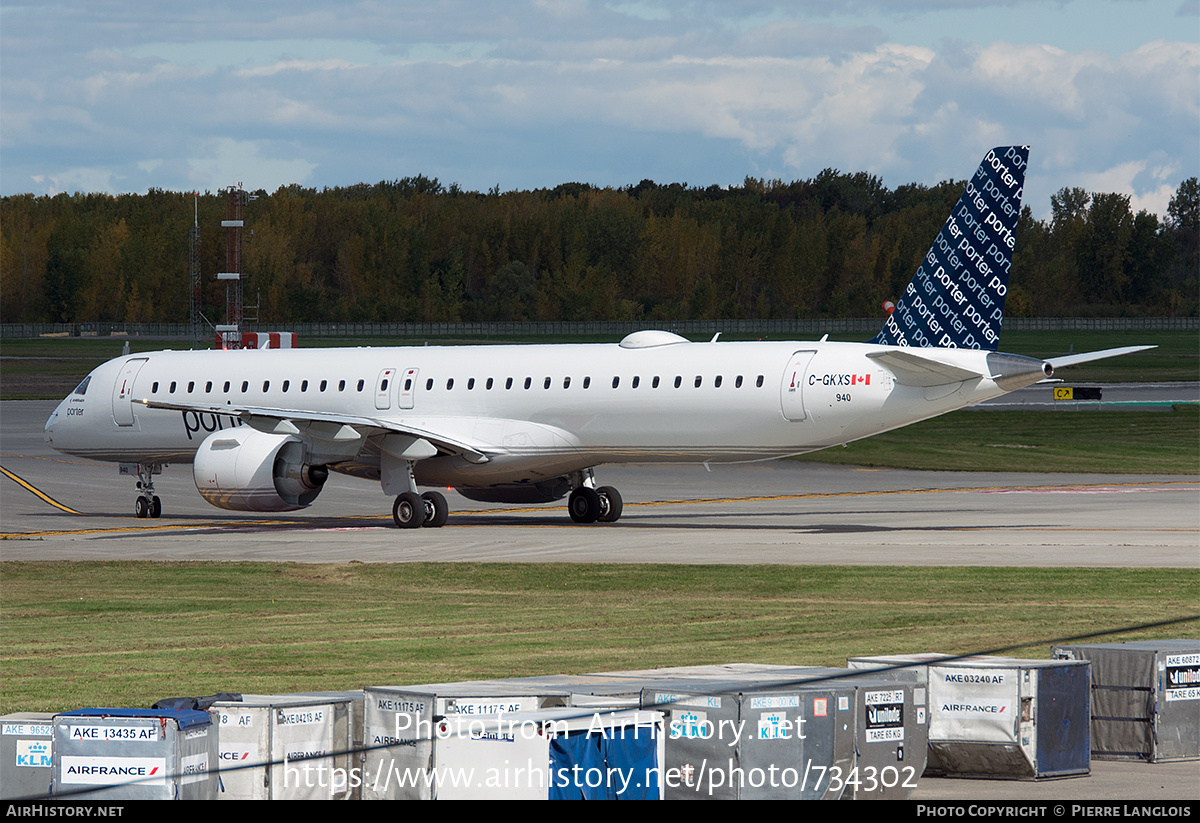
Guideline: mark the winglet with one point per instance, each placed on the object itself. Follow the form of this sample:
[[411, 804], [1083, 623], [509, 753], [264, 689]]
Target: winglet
[[956, 299]]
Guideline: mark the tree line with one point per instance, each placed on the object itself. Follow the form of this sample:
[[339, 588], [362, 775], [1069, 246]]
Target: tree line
[[836, 245]]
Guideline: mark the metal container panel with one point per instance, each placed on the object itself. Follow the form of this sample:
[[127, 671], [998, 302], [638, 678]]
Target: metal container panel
[[26, 740], [838, 738], [135, 754], [999, 717], [562, 753], [1145, 698], [399, 724], [286, 747]]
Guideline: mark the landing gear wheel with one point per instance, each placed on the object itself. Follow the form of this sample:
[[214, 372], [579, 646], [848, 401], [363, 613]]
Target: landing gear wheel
[[147, 503], [584, 505], [436, 509], [610, 504], [408, 511]]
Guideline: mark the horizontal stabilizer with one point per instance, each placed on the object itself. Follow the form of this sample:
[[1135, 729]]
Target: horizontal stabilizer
[[913, 368], [1087, 357]]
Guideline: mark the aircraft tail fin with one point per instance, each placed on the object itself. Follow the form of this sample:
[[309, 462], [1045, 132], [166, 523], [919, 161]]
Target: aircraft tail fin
[[956, 299]]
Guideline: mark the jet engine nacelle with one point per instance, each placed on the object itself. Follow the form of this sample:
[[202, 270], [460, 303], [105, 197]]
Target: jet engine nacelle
[[247, 470]]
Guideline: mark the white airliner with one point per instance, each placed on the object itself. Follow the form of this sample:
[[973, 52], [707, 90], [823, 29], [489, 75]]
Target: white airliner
[[528, 423]]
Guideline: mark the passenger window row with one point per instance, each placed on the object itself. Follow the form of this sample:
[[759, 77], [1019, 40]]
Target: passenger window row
[[324, 385], [635, 382], [286, 386]]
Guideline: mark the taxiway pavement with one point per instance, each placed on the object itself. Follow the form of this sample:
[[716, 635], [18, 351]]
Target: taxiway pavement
[[778, 512]]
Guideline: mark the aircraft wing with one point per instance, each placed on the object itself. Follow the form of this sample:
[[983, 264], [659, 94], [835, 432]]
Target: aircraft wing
[[1086, 357], [914, 368], [323, 425]]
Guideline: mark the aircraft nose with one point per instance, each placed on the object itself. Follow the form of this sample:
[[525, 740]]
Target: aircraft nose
[[56, 417], [48, 433]]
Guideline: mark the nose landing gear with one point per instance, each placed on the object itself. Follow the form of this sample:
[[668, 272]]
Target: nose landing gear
[[147, 503]]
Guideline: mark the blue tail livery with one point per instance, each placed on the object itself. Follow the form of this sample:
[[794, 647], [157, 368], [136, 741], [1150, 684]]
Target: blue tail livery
[[956, 299]]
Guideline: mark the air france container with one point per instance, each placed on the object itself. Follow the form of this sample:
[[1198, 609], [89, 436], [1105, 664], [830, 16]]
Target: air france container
[[286, 747], [399, 725], [1145, 698], [135, 754], [353, 698], [1001, 717], [25, 748]]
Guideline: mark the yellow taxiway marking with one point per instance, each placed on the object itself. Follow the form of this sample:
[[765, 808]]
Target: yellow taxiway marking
[[385, 522], [28, 487]]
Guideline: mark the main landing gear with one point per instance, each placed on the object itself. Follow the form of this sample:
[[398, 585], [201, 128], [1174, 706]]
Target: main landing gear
[[589, 504], [147, 503], [412, 512]]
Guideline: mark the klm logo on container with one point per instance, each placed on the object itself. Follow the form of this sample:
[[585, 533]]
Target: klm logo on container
[[33, 753]]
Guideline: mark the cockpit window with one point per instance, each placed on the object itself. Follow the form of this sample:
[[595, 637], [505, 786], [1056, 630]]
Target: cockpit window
[[81, 389]]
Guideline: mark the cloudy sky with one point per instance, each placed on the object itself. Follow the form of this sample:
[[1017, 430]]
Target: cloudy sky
[[99, 95]]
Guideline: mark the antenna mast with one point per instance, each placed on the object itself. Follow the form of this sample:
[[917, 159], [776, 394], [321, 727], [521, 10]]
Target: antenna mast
[[194, 282], [229, 333]]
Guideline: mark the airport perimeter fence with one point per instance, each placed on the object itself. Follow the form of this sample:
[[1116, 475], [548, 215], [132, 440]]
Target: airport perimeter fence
[[614, 329]]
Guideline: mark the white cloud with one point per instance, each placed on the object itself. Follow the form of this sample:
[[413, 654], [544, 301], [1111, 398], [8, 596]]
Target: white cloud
[[299, 65], [544, 91], [76, 179], [1149, 187], [226, 161], [1038, 73]]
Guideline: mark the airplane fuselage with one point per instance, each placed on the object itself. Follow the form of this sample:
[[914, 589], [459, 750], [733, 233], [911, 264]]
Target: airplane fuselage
[[535, 411]]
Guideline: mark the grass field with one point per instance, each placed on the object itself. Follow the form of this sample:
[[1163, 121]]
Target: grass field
[[128, 634], [1106, 442]]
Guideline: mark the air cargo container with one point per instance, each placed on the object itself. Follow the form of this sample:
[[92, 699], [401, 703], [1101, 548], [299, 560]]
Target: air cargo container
[[1145, 698], [286, 747], [549, 754], [1000, 717], [25, 747], [135, 754], [826, 734], [399, 724]]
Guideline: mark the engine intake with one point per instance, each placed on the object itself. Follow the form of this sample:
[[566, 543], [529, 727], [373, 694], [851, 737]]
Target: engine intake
[[247, 470]]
